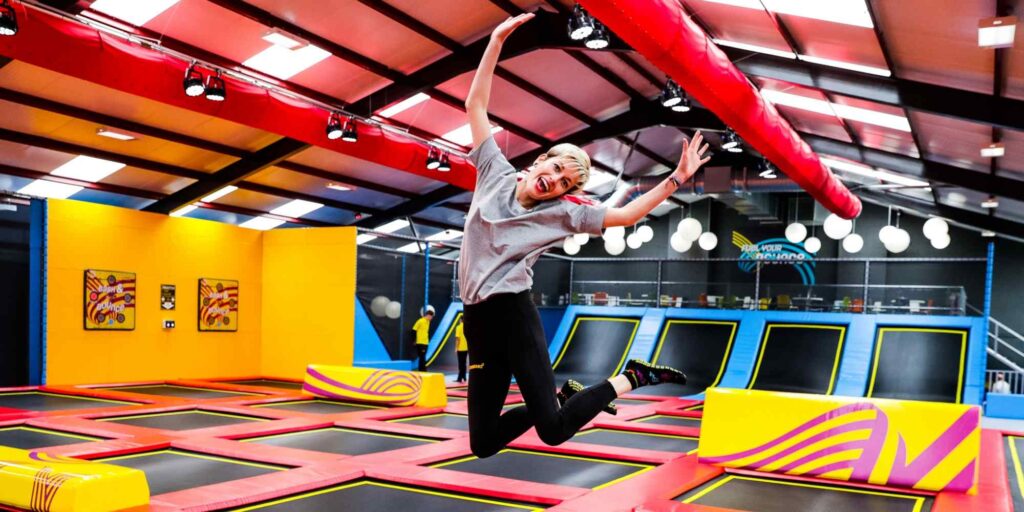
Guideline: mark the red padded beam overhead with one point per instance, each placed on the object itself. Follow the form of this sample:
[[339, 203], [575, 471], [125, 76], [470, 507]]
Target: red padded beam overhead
[[661, 31], [81, 52]]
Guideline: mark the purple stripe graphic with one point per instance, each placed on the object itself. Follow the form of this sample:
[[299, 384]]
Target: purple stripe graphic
[[834, 431], [910, 474]]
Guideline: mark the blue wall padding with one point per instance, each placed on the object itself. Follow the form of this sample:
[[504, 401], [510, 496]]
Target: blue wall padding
[[858, 347], [572, 312], [1005, 406], [442, 328], [647, 334], [551, 318], [399, 364], [368, 347]]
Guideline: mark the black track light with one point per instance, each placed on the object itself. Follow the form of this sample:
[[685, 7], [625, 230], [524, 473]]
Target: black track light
[[731, 142], [8, 20], [598, 39], [432, 161], [350, 133], [682, 106], [766, 170], [445, 165], [215, 89], [671, 95], [581, 25], [193, 82], [334, 130]]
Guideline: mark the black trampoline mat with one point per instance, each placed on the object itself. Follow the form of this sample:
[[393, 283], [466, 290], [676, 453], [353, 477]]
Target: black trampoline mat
[[456, 398], [364, 496], [640, 440], [173, 470], [699, 348], [451, 421], [669, 389], [319, 406], [179, 391], [676, 421], [766, 495], [918, 364], [595, 349], [444, 359], [37, 401], [798, 358], [1014, 452], [28, 438], [342, 441], [267, 383], [633, 401], [549, 468], [187, 420]]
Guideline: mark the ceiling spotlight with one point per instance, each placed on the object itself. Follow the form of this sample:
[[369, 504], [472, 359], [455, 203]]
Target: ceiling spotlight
[[334, 130], [988, 234], [671, 95], [8, 20], [581, 25], [996, 149], [432, 161], [766, 170], [682, 106], [598, 39], [445, 165], [215, 89], [193, 82], [731, 142], [991, 202], [349, 133]]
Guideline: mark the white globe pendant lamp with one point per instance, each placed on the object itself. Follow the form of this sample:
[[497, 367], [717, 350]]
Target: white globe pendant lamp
[[837, 227], [707, 241], [812, 245], [935, 227], [796, 232], [678, 243], [690, 229], [581, 238], [571, 246], [646, 233], [853, 243]]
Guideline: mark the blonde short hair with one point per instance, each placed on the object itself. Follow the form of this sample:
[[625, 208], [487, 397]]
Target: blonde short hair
[[575, 154]]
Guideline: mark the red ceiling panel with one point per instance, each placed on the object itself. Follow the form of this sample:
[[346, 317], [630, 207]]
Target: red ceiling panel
[[561, 75], [290, 180], [879, 137], [464, 22], [836, 41], [1014, 62], [738, 24], [614, 153], [147, 180], [953, 141], [349, 166], [1013, 160], [613, 63], [253, 200]]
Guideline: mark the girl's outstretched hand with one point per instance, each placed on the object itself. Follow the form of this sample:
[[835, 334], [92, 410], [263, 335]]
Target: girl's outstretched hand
[[693, 157], [502, 31]]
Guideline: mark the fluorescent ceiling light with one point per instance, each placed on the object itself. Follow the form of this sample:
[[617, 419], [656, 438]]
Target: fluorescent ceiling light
[[136, 12], [446, 235], [261, 223], [363, 238], [219, 194], [988, 234], [463, 135], [404, 105], [847, 65], [184, 210], [87, 168], [991, 202], [339, 187], [51, 189], [280, 62], [870, 172], [755, 48], [997, 32], [103, 132], [392, 226], [296, 208], [278, 37], [993, 150], [862, 115], [847, 12], [413, 247]]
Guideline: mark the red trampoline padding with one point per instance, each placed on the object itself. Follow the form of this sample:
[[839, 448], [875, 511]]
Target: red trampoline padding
[[662, 32], [81, 52], [993, 487]]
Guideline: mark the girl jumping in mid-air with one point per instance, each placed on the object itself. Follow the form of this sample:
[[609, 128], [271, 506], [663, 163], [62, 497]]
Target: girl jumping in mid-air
[[511, 222]]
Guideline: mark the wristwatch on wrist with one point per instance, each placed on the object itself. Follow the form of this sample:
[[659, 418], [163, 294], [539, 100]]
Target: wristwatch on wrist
[[675, 181]]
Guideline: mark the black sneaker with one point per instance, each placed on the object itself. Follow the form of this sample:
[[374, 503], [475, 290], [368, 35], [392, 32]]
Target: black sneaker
[[572, 387], [641, 373]]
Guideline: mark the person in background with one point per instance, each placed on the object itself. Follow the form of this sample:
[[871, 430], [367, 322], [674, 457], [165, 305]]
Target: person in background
[[461, 351], [1000, 385], [422, 330]]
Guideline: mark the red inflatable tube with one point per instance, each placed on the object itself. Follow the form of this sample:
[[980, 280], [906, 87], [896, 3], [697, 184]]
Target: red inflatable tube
[[661, 31]]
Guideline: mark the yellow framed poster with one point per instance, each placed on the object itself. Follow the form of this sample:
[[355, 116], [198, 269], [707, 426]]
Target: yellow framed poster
[[218, 305], [109, 300]]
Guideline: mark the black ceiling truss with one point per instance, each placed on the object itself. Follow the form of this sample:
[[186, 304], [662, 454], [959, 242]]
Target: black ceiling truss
[[968, 217]]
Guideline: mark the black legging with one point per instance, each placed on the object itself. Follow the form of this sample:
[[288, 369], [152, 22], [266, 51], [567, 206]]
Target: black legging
[[421, 351], [506, 339], [461, 355]]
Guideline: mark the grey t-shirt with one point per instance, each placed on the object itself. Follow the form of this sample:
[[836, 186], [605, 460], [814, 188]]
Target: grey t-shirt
[[502, 239]]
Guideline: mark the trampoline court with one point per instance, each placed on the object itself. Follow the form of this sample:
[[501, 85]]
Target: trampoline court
[[267, 383], [911, 363], [700, 348], [317, 406], [43, 401], [550, 468], [595, 349], [342, 441], [370, 496], [182, 420], [176, 470], [30, 438], [188, 392], [1013, 450], [820, 347]]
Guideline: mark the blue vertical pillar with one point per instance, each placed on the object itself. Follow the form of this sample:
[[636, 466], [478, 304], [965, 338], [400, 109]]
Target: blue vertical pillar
[[36, 293], [989, 264], [426, 275]]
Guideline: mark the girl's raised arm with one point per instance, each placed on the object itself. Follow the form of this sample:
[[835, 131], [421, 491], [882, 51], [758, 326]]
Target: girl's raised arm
[[480, 91]]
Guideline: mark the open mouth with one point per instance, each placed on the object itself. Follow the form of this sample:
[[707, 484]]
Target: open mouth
[[542, 186]]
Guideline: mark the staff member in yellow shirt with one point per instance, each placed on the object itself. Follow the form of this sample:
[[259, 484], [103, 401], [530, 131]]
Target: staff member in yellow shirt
[[422, 330], [461, 350]]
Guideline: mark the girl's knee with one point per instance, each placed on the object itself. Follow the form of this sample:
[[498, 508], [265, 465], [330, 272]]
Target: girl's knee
[[483, 447], [552, 434]]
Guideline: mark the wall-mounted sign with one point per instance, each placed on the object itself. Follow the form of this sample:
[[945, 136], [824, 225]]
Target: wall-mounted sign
[[775, 251], [167, 297], [218, 305], [109, 300]]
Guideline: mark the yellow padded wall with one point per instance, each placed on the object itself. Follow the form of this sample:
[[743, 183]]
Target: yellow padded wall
[[309, 289], [160, 250]]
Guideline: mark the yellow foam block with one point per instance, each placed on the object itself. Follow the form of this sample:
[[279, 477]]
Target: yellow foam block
[[33, 480], [920, 445], [388, 387]]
